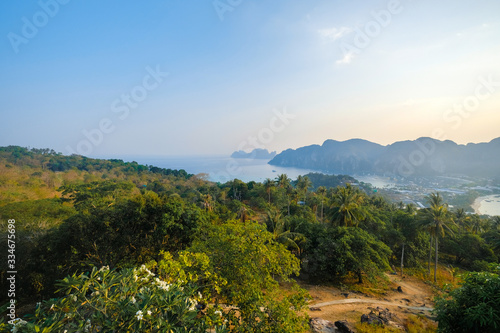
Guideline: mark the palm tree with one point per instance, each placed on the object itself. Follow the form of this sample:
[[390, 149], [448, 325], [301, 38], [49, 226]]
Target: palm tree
[[476, 225], [268, 184], [439, 219], [276, 224], [285, 183], [347, 204], [411, 209], [496, 222], [461, 218], [207, 202], [303, 184], [321, 191]]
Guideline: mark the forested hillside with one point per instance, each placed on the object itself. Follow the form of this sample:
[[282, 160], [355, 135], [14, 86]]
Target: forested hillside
[[423, 157], [114, 246]]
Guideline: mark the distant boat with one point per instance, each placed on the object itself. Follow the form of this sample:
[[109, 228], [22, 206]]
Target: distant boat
[[274, 170]]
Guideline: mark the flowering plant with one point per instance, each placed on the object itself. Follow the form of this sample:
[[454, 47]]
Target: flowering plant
[[130, 300]]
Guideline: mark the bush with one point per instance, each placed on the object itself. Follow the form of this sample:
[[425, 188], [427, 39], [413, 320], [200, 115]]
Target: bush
[[473, 307], [133, 300]]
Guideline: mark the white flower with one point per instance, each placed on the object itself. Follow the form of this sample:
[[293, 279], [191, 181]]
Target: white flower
[[218, 312], [199, 295], [193, 304], [75, 298], [138, 314], [104, 268], [133, 300], [149, 312], [38, 304], [18, 322], [88, 326]]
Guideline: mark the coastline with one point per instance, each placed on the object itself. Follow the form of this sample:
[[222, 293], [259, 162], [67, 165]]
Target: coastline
[[476, 205], [487, 205]]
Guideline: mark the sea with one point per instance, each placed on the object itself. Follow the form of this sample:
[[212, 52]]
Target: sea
[[221, 169], [489, 205]]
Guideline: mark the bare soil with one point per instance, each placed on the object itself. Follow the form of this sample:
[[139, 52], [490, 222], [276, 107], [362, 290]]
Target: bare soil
[[332, 304]]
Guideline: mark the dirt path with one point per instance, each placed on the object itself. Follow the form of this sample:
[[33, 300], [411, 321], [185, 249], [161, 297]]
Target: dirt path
[[333, 304], [372, 301]]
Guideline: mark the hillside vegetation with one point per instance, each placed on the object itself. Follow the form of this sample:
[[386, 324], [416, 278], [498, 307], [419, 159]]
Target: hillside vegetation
[[106, 245]]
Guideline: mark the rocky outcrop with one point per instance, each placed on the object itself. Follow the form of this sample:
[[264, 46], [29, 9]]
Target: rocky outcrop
[[319, 325], [382, 317]]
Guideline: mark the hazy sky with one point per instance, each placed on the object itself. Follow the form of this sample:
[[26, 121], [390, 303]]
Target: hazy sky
[[91, 76]]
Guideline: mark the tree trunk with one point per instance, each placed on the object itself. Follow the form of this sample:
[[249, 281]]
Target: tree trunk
[[360, 277], [430, 258], [321, 210], [402, 256], [436, 262]]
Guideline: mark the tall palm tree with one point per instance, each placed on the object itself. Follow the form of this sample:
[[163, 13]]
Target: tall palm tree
[[268, 184], [347, 204], [439, 221], [303, 185], [284, 182], [321, 191]]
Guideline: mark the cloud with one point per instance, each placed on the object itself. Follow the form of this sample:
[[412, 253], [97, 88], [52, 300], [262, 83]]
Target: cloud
[[333, 34], [346, 59]]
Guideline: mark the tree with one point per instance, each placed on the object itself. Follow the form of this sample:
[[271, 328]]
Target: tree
[[321, 191], [347, 205], [473, 307], [285, 184], [438, 220], [251, 261], [334, 252], [303, 184], [268, 184], [276, 224]]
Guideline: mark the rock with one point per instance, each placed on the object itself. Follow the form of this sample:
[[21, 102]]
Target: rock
[[400, 289], [384, 317], [345, 294], [371, 319], [319, 325], [314, 309], [343, 326]]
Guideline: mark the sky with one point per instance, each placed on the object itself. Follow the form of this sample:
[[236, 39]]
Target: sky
[[185, 77]]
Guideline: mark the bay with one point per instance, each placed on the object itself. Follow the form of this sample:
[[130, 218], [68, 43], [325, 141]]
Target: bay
[[489, 205], [221, 168]]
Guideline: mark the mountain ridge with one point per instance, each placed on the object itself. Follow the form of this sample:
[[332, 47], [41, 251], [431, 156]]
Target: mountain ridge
[[420, 157]]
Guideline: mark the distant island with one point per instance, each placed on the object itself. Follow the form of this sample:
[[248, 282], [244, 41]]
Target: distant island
[[421, 157], [258, 153]]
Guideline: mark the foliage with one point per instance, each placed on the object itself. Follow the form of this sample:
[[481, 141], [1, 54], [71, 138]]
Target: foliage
[[251, 261], [339, 251], [131, 300], [473, 307]]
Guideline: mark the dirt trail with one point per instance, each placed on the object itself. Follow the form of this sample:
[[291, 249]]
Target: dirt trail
[[332, 304], [372, 301]]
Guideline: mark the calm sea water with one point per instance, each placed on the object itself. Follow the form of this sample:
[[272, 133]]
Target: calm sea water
[[222, 168], [489, 205]]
